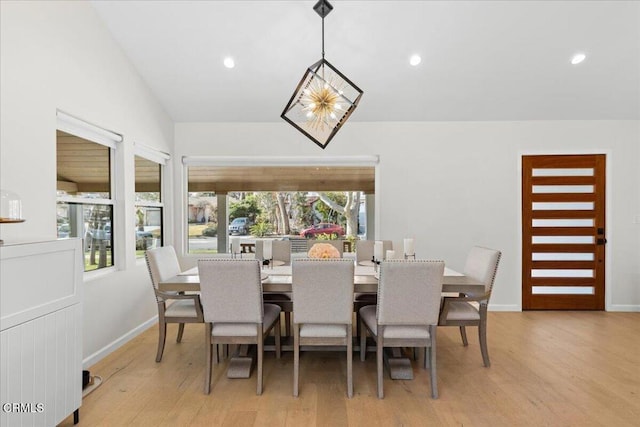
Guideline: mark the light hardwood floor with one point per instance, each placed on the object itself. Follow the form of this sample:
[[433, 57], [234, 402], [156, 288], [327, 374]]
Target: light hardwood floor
[[547, 369]]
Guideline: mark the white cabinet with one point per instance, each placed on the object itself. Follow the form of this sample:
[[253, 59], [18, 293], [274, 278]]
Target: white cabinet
[[41, 332]]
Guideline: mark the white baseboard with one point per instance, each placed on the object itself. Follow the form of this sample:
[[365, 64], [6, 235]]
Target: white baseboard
[[113, 346], [504, 307], [624, 307], [612, 308]]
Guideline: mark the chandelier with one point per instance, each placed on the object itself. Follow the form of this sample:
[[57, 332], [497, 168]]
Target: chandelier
[[324, 98]]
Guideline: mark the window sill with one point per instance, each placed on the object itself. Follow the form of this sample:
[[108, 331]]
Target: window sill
[[89, 276]]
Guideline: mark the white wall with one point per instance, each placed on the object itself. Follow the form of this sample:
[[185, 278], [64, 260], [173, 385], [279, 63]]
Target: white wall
[[58, 55], [453, 185]]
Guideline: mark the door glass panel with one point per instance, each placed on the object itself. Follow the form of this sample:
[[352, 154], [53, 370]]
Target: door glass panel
[[568, 206], [554, 290], [561, 273], [562, 239], [562, 223], [561, 256], [545, 189], [562, 172]]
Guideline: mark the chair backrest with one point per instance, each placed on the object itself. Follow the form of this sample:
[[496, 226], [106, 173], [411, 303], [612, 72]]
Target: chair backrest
[[338, 244], [231, 290], [409, 292], [364, 249], [482, 264], [280, 250], [322, 291], [162, 264]]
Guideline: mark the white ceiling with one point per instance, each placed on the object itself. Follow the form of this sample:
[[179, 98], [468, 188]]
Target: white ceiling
[[482, 60]]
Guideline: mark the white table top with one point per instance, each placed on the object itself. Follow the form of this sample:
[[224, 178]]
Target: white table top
[[278, 279]]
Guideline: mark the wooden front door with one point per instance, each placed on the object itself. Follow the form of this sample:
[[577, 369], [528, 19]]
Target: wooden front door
[[563, 232]]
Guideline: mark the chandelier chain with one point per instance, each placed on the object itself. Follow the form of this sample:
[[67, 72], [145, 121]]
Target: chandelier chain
[[323, 37]]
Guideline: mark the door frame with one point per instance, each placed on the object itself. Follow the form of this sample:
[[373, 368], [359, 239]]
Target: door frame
[[608, 212]]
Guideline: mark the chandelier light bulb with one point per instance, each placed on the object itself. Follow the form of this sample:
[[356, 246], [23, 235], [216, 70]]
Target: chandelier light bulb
[[578, 58], [229, 62], [415, 60]]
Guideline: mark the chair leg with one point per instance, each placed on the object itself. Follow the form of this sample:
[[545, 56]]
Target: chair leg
[[349, 362], [225, 351], [482, 336], [260, 337], [162, 335], [180, 332], [379, 364], [432, 363], [296, 357], [363, 340], [427, 357], [277, 338], [287, 324], [463, 334], [209, 367]]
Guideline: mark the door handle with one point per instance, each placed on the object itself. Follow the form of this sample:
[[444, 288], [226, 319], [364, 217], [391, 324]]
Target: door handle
[[601, 241]]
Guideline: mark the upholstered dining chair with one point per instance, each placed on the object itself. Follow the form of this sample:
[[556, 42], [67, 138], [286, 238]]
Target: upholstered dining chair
[[364, 249], [234, 312], [364, 253], [173, 307], [471, 310], [322, 309], [406, 314], [280, 251]]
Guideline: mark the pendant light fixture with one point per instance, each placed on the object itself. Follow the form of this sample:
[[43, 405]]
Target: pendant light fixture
[[324, 98]]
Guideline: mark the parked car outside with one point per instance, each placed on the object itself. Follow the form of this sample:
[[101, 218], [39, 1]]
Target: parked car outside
[[63, 231], [103, 232], [323, 228], [144, 239], [240, 225]]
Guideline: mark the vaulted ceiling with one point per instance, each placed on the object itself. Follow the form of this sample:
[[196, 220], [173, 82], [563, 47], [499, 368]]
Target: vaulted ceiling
[[481, 60]]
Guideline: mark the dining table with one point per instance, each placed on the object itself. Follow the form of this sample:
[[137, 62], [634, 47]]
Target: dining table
[[278, 278]]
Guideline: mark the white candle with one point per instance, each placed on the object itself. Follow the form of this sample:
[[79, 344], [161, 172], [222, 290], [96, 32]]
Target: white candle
[[267, 246], [409, 247], [390, 254], [377, 250], [235, 245]]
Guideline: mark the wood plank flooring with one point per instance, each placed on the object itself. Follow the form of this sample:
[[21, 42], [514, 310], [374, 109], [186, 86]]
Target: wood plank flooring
[[548, 369]]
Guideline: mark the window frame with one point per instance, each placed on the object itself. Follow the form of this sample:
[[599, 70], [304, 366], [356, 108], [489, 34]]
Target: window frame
[[258, 161], [161, 159], [97, 135]]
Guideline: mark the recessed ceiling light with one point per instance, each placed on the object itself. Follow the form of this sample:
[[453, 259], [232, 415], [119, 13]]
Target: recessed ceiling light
[[229, 62], [415, 60], [578, 58]]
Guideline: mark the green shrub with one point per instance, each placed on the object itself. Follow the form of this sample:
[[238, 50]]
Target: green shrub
[[325, 236], [260, 229], [210, 231]]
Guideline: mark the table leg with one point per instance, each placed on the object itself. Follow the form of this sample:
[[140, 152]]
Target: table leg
[[241, 362], [399, 365]]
